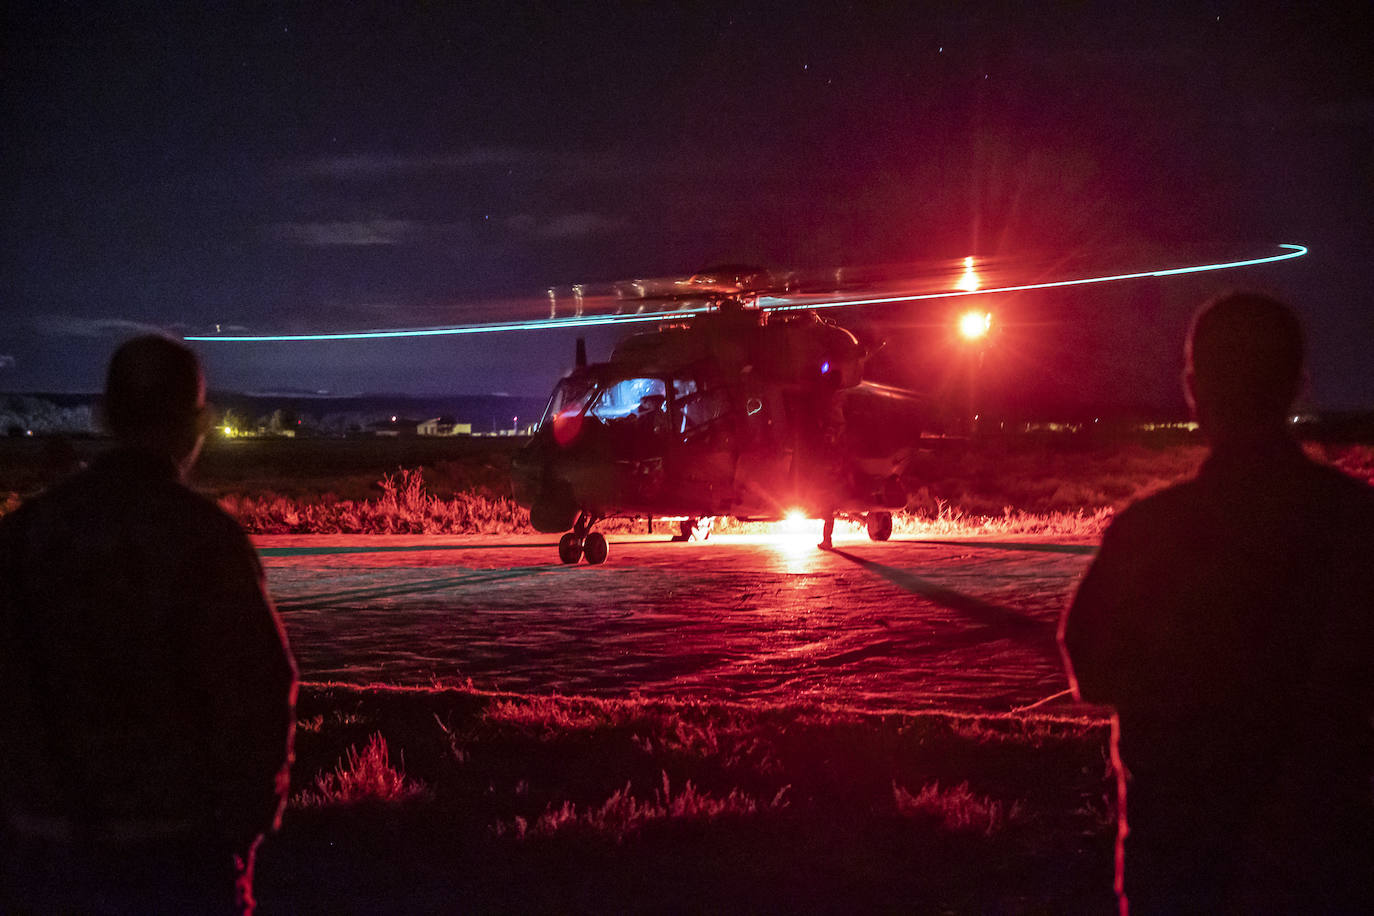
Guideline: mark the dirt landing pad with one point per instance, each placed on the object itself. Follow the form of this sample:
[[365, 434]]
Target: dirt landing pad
[[908, 624]]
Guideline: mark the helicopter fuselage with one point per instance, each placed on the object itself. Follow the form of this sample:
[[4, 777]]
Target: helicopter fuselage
[[735, 414]]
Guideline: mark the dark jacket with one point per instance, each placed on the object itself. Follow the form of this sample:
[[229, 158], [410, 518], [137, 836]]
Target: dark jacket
[[1230, 621], [147, 685]]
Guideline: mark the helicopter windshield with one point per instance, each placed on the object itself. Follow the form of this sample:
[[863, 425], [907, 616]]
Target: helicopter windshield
[[571, 395], [628, 396]]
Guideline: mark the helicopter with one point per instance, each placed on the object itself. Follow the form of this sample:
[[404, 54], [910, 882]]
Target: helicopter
[[745, 402], [735, 410]]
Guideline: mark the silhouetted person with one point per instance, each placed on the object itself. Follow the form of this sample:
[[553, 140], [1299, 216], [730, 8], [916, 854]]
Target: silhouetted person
[[1230, 622], [146, 711], [60, 459]]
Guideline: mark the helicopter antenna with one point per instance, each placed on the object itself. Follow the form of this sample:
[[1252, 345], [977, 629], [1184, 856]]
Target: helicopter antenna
[[581, 359]]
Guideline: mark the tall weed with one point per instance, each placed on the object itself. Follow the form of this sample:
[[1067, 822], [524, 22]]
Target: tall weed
[[1040, 492], [404, 507], [367, 775], [622, 815], [959, 810]]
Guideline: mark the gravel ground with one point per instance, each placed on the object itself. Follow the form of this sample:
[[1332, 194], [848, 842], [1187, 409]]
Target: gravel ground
[[907, 624]]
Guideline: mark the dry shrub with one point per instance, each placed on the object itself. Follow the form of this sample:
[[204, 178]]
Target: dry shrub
[[366, 776], [312, 725], [549, 714], [405, 507], [959, 809], [9, 501], [1020, 730], [948, 521], [622, 815], [728, 744], [1038, 492]]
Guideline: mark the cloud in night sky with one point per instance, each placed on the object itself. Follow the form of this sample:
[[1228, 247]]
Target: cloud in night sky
[[368, 166], [347, 232], [75, 326], [567, 226], [6, 362]]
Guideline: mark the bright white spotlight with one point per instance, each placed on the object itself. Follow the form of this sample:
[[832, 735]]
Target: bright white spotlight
[[796, 531], [974, 325]]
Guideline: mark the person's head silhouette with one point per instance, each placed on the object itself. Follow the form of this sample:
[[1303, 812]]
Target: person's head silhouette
[[155, 398], [1245, 366]]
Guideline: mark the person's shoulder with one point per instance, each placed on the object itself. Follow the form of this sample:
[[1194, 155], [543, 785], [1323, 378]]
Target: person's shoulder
[[1164, 507], [208, 516], [55, 500]]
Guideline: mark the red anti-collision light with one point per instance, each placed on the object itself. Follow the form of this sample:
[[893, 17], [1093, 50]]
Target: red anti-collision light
[[566, 426]]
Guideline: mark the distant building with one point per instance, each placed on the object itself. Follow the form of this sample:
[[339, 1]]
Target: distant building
[[443, 426]]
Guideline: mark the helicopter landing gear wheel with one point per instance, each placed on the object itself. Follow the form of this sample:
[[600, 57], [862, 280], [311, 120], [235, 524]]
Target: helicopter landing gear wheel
[[879, 525], [570, 548], [595, 548]]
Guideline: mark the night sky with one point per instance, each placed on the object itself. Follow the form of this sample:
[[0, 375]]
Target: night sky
[[328, 166]]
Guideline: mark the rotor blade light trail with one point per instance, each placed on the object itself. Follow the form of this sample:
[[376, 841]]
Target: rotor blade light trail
[[1294, 251], [765, 303]]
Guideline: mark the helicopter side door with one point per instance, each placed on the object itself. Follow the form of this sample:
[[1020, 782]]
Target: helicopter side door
[[706, 450], [762, 473]]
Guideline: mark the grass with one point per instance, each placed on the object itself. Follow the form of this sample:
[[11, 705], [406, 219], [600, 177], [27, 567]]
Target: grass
[[446, 800], [461, 487], [623, 816], [997, 490], [405, 506], [363, 775], [958, 810]]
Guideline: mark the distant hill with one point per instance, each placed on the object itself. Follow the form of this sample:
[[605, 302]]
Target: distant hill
[[486, 412]]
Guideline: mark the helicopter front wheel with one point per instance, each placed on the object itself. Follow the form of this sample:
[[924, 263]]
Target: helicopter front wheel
[[570, 548], [879, 525]]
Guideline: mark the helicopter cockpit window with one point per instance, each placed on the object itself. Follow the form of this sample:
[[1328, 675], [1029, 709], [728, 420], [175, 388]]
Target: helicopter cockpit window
[[570, 396], [630, 397]]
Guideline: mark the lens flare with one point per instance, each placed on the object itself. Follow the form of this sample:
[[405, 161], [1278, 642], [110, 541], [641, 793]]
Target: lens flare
[[969, 281], [974, 325], [796, 534]]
